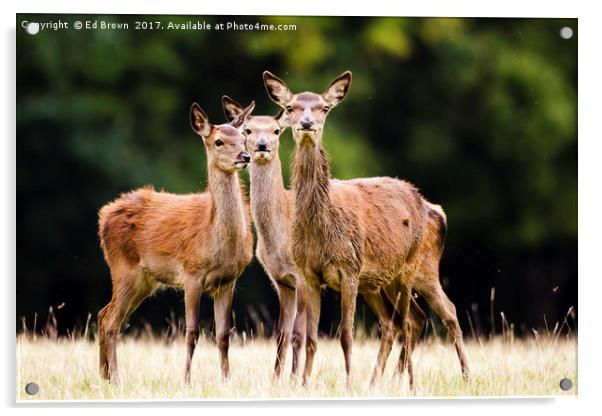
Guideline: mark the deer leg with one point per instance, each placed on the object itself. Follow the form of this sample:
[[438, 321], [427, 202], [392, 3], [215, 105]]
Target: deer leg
[[385, 319], [192, 298], [348, 303], [312, 302], [417, 317], [288, 308], [102, 344], [445, 309], [222, 308], [126, 298], [417, 322], [299, 333], [405, 356]]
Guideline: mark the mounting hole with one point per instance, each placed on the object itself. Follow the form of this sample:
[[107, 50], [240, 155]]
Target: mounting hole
[[32, 389], [566, 32], [566, 384], [32, 28]]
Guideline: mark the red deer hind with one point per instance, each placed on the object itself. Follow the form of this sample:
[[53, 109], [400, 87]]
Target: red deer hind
[[356, 236], [198, 242], [271, 208]]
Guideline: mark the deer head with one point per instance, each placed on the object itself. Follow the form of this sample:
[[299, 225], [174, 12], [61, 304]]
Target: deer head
[[262, 132], [306, 112], [225, 143]]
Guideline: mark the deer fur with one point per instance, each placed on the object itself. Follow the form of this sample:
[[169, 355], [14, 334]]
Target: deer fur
[[272, 209], [355, 236], [427, 283], [198, 242]]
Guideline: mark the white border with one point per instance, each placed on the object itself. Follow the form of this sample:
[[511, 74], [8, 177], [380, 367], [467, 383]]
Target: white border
[[590, 232], [462, 8]]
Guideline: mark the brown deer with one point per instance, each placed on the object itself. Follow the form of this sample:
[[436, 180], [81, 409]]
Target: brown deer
[[198, 242], [272, 207], [356, 236]]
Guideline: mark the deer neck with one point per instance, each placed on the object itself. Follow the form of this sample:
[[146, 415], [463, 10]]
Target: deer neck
[[311, 185], [229, 208], [268, 197]]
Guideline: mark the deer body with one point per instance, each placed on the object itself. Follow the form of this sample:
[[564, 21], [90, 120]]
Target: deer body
[[378, 237], [272, 210], [198, 242], [170, 238], [372, 225], [272, 207], [356, 236]]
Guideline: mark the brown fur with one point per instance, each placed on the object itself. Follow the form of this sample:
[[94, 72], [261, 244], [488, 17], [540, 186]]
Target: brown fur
[[145, 225], [272, 211], [198, 242], [361, 219], [427, 283], [369, 236], [361, 233], [355, 236]]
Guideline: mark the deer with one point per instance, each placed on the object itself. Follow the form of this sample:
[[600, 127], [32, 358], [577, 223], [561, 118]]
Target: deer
[[359, 236], [272, 208], [199, 242]]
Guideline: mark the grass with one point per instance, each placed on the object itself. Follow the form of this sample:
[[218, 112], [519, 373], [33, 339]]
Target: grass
[[66, 369]]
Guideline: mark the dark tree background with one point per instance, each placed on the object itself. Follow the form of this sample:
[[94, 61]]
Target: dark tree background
[[480, 114]]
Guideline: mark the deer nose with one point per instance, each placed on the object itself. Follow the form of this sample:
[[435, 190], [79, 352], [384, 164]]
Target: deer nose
[[262, 145], [245, 156], [306, 124]]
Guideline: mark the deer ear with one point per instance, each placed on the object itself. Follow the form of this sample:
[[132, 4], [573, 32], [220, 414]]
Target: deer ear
[[282, 119], [337, 90], [199, 121], [240, 119], [231, 108], [277, 89]]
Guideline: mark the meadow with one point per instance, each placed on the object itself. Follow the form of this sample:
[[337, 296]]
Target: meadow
[[152, 368]]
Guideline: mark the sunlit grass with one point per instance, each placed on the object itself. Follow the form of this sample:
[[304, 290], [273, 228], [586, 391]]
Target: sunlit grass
[[153, 369]]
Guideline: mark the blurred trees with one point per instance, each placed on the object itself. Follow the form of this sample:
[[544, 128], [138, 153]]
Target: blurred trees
[[479, 113]]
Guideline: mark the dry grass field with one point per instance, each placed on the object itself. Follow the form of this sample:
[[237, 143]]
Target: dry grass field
[[66, 369]]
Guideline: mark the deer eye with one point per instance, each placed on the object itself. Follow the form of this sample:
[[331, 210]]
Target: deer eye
[[289, 109], [219, 142], [248, 131], [277, 131], [325, 109]]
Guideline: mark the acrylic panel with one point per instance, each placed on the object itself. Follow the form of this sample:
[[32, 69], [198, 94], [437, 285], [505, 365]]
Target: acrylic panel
[[258, 207]]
